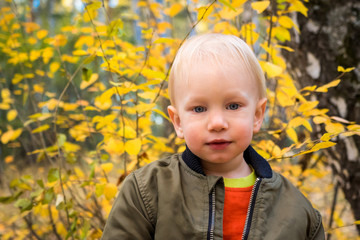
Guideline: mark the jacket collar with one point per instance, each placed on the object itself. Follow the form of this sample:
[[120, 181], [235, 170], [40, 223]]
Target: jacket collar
[[259, 164]]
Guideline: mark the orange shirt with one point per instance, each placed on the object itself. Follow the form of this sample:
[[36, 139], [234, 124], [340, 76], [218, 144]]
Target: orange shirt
[[236, 205]]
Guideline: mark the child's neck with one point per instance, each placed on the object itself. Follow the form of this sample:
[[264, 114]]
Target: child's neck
[[232, 169]]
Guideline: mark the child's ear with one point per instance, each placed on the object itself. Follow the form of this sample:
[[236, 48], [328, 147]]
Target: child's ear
[[259, 114], [175, 119]]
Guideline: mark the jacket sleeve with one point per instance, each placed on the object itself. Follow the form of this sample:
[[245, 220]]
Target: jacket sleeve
[[129, 218], [319, 233]]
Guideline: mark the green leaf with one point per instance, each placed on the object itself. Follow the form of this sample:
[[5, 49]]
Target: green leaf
[[93, 6], [24, 204], [90, 59], [53, 175], [36, 193], [48, 196], [10, 199], [61, 139], [92, 173], [86, 74], [226, 3]]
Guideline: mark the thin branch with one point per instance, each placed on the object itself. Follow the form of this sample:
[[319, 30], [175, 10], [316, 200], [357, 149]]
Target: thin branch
[[30, 226], [333, 208], [53, 223], [162, 84]]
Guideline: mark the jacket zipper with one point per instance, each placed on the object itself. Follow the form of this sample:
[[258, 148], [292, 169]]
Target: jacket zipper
[[251, 209], [211, 215]]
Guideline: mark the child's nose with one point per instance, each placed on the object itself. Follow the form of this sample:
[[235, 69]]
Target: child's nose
[[217, 122]]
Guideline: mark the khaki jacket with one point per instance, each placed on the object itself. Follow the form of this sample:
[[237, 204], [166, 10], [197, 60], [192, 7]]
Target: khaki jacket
[[173, 199]]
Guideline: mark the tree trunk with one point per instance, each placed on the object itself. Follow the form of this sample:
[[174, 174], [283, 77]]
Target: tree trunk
[[330, 38]]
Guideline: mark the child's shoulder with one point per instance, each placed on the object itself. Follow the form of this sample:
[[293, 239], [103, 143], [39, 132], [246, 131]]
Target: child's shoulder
[[287, 191], [166, 164]]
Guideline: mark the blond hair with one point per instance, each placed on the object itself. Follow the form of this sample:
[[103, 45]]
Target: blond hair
[[220, 49]]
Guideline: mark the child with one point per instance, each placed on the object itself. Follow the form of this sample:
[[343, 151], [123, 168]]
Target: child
[[219, 187]]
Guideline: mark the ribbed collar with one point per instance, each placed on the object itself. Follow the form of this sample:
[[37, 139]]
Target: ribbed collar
[[259, 164]]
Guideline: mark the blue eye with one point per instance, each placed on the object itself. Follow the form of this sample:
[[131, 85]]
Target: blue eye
[[199, 109], [233, 106]]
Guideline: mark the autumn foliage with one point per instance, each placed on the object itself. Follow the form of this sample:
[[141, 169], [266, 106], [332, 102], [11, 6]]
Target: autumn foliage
[[83, 104]]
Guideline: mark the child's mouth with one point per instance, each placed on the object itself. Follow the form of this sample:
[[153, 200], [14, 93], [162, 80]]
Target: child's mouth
[[218, 144]]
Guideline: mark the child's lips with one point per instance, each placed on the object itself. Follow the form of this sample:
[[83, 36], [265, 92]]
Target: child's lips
[[218, 144]]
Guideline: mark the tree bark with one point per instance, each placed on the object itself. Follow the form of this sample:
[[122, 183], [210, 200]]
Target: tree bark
[[330, 38]]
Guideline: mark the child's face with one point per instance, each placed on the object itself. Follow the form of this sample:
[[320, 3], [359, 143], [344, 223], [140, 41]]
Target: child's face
[[216, 113]]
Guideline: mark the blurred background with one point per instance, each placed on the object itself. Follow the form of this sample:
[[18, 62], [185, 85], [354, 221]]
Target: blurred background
[[84, 94]]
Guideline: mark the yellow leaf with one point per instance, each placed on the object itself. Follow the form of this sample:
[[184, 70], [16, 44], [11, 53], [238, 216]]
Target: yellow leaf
[[5, 93], [71, 147], [341, 69], [29, 75], [9, 159], [60, 40], [129, 132], [47, 54], [322, 145], [260, 6], [284, 99], [114, 146], [204, 12], [271, 69], [85, 84], [144, 107], [161, 113], [357, 222], [6, 136], [17, 78], [281, 33], [41, 34], [238, 3], [228, 13], [298, 6], [295, 122], [320, 119], [94, 6], [89, 15], [80, 53], [41, 128], [16, 134], [34, 54], [107, 167], [10, 135], [162, 27], [285, 47], [286, 22], [164, 40], [30, 26], [354, 127], [133, 147], [38, 88], [307, 125], [11, 115], [308, 106], [40, 72], [292, 134], [334, 128], [325, 87], [148, 95], [54, 66], [174, 9], [110, 191], [308, 88], [326, 137], [78, 172]]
